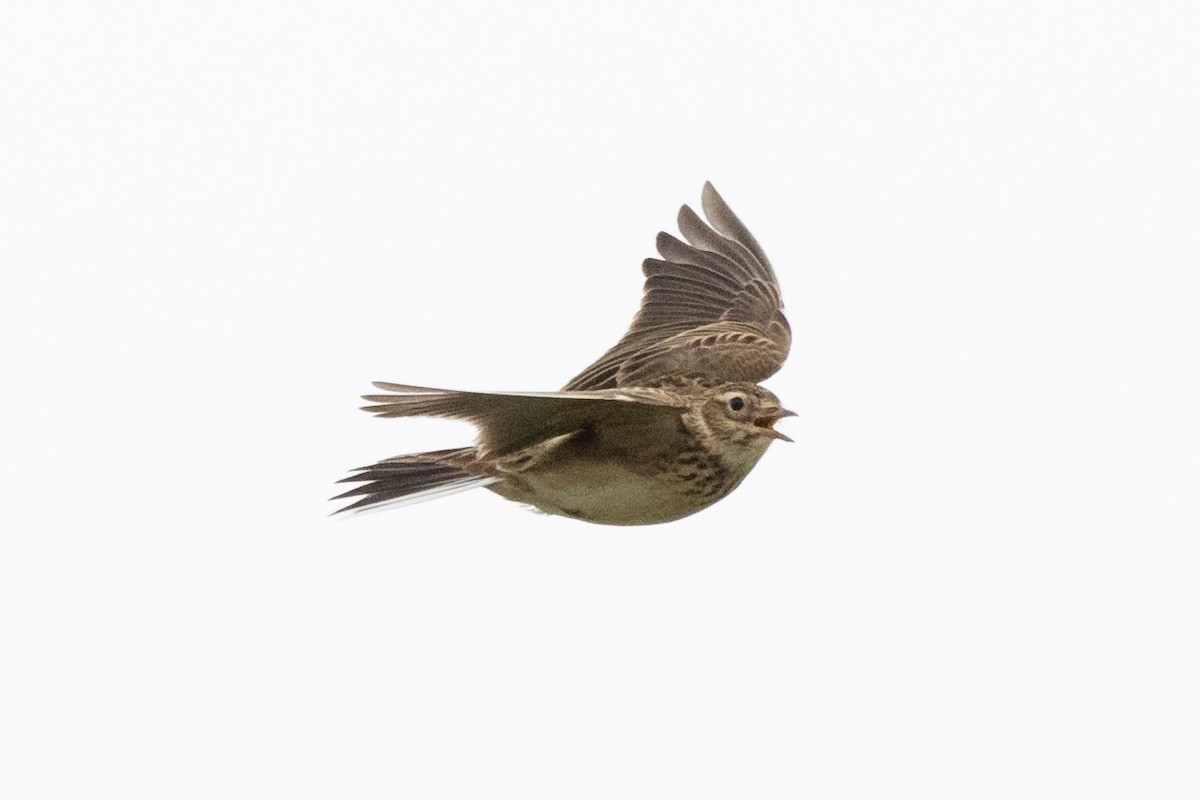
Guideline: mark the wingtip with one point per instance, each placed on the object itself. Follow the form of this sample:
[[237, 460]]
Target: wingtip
[[662, 242], [686, 217], [406, 388], [711, 200], [379, 410]]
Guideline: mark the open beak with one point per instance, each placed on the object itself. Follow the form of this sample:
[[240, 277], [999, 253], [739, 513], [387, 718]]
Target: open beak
[[768, 420]]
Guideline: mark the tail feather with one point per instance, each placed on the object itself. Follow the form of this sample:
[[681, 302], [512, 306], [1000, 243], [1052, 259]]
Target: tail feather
[[412, 479]]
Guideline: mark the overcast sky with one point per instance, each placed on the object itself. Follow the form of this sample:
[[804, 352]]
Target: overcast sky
[[973, 575]]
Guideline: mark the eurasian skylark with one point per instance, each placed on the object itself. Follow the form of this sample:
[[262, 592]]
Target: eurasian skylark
[[664, 424]]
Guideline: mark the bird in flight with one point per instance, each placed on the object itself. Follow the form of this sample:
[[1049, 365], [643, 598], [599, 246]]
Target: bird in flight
[[666, 423]]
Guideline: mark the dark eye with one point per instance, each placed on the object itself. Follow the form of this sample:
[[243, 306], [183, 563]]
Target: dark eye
[[737, 403]]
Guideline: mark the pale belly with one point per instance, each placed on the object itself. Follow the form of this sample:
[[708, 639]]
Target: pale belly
[[610, 494]]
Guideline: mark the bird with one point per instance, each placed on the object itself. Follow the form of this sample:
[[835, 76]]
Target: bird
[[664, 424]]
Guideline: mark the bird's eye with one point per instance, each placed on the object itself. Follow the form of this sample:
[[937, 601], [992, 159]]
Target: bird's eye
[[737, 403]]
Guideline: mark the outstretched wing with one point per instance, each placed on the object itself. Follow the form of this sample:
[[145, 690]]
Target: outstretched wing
[[508, 422], [711, 309]]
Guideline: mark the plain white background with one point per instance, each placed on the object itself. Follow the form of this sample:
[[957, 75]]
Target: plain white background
[[973, 576]]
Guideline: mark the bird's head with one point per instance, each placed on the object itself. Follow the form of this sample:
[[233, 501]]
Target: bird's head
[[743, 414]]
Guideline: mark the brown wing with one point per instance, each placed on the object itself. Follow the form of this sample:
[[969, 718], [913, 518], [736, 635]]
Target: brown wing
[[508, 422], [711, 309]]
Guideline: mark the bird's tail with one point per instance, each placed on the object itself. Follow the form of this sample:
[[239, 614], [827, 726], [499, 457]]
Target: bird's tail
[[413, 479]]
